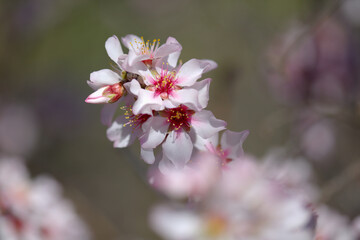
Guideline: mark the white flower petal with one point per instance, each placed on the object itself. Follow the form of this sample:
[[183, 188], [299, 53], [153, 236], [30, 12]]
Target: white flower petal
[[103, 78], [135, 67], [175, 224], [207, 65], [206, 144], [122, 135], [133, 58], [113, 48], [203, 88], [171, 46], [169, 104], [173, 58], [97, 97], [192, 71], [155, 129], [186, 96], [130, 38], [133, 87], [146, 102], [178, 148], [108, 112], [147, 155], [205, 124], [166, 166], [147, 77], [234, 141], [189, 73]]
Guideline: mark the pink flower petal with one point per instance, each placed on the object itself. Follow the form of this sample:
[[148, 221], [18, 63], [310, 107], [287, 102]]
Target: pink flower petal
[[108, 112], [133, 87], [134, 58], [192, 71], [178, 148], [97, 97], [172, 58], [189, 73], [130, 38], [113, 48], [147, 155], [234, 141], [187, 97], [203, 92], [207, 65], [171, 46], [176, 224], [122, 135], [208, 143], [155, 129], [147, 102], [103, 78], [205, 124]]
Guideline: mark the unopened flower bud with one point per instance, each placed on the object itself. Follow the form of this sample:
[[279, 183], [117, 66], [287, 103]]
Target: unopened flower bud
[[107, 94]]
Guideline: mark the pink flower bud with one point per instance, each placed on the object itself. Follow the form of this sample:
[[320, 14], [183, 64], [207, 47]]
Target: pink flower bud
[[107, 94]]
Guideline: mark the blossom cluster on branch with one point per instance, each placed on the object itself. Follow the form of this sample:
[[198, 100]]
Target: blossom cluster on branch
[[162, 104], [162, 101]]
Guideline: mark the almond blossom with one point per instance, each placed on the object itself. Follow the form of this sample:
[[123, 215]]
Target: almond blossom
[[176, 127], [194, 181], [334, 226], [242, 203], [145, 54], [35, 209], [127, 128], [295, 173], [169, 87], [229, 147]]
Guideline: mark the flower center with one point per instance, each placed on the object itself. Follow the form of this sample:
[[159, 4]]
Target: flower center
[[164, 83], [221, 153], [179, 118], [145, 48], [16, 222], [134, 121]]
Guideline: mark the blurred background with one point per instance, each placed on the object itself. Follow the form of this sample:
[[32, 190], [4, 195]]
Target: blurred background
[[288, 71]]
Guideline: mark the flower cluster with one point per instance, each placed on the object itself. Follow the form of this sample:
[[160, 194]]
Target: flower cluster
[[35, 209], [297, 176], [152, 97], [334, 226], [162, 101], [240, 201]]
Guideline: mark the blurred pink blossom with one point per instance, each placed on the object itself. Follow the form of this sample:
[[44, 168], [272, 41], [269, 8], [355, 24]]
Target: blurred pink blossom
[[35, 209], [334, 226], [242, 203]]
